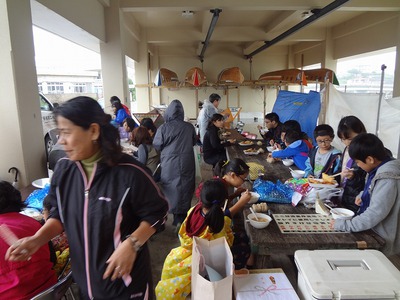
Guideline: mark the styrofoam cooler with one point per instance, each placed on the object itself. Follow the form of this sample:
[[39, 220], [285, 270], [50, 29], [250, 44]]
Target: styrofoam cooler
[[346, 274]]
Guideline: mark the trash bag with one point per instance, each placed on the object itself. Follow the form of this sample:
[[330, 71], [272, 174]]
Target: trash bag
[[35, 199], [273, 192]]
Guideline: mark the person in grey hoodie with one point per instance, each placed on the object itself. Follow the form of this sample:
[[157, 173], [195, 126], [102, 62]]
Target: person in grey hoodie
[[210, 107], [380, 200], [175, 140]]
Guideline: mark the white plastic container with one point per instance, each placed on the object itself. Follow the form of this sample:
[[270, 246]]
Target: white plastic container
[[346, 274]]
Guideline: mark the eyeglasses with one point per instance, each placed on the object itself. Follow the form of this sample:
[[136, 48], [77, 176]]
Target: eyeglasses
[[241, 177], [324, 142]]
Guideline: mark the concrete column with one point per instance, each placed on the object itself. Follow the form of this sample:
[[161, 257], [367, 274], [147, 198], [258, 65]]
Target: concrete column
[[21, 134], [115, 77], [396, 85], [145, 70], [328, 61]]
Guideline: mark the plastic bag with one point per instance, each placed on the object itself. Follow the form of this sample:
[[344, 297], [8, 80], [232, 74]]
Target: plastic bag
[[35, 199], [323, 194], [273, 192]]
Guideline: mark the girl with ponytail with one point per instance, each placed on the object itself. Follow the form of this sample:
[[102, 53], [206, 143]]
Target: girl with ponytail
[[207, 220]]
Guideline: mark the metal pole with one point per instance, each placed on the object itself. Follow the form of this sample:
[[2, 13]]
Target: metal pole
[[383, 67]]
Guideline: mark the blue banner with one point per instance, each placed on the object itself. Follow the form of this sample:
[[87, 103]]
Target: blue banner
[[301, 107]]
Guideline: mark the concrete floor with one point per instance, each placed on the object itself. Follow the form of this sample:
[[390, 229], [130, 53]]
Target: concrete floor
[[161, 244]]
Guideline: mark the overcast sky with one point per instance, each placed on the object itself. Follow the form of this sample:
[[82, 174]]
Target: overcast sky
[[52, 51]]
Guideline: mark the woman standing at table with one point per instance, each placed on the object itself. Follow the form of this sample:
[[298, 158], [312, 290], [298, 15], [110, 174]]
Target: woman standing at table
[[107, 203], [213, 147]]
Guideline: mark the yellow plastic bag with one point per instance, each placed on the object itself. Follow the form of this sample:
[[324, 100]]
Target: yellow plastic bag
[[255, 168]]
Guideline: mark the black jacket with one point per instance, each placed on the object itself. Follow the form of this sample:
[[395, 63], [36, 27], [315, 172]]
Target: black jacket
[[213, 149], [98, 213], [353, 186]]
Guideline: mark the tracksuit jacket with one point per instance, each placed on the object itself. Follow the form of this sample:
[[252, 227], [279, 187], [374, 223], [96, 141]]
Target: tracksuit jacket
[[98, 213]]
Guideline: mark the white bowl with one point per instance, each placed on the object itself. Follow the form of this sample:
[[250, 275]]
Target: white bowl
[[342, 213], [270, 148], [287, 162], [254, 197], [265, 220], [40, 183], [297, 174], [263, 131]]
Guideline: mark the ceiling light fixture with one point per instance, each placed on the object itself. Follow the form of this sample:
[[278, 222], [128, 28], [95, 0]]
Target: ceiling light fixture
[[187, 14]]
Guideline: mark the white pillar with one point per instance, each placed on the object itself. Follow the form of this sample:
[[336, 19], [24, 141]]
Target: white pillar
[[396, 85], [115, 77], [21, 134]]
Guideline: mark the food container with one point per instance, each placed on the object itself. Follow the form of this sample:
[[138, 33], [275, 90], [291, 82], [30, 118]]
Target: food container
[[40, 183], [297, 174], [346, 274], [270, 148], [287, 162], [254, 197], [342, 213], [263, 222]]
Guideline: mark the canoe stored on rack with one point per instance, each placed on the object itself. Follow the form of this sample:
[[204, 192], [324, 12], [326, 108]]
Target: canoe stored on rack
[[195, 77], [230, 75]]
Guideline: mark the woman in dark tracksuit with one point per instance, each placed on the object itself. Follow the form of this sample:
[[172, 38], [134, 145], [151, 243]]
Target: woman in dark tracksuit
[[107, 203]]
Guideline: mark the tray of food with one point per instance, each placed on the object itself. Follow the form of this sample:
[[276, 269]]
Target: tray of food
[[226, 133], [252, 151], [246, 143], [325, 181]]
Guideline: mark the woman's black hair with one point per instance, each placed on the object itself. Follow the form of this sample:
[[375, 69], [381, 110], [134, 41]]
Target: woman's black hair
[[117, 105], [367, 144], [213, 195], [149, 124], [114, 99], [84, 111], [130, 122], [10, 198], [350, 124], [214, 118], [236, 165]]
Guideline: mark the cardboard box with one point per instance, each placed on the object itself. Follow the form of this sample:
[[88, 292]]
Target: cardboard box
[[346, 274], [263, 284]]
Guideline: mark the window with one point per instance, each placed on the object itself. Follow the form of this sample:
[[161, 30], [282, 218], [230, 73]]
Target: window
[[40, 87], [55, 87], [79, 88], [362, 73]]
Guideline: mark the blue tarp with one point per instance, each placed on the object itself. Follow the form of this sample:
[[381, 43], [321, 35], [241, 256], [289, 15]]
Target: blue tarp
[[301, 107]]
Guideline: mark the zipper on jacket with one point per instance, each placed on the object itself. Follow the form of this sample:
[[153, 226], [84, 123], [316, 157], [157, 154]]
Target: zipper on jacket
[[86, 241]]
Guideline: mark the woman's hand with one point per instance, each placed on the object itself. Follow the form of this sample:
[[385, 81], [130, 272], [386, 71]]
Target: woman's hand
[[358, 201], [23, 249], [272, 142], [245, 197], [121, 261]]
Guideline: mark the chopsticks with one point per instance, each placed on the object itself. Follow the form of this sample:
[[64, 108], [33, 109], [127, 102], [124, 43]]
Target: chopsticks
[[337, 174]]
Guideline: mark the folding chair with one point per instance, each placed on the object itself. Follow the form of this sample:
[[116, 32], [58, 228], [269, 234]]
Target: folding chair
[[59, 290]]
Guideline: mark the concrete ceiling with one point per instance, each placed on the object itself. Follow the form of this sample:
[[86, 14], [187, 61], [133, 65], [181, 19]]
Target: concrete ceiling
[[246, 24]]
